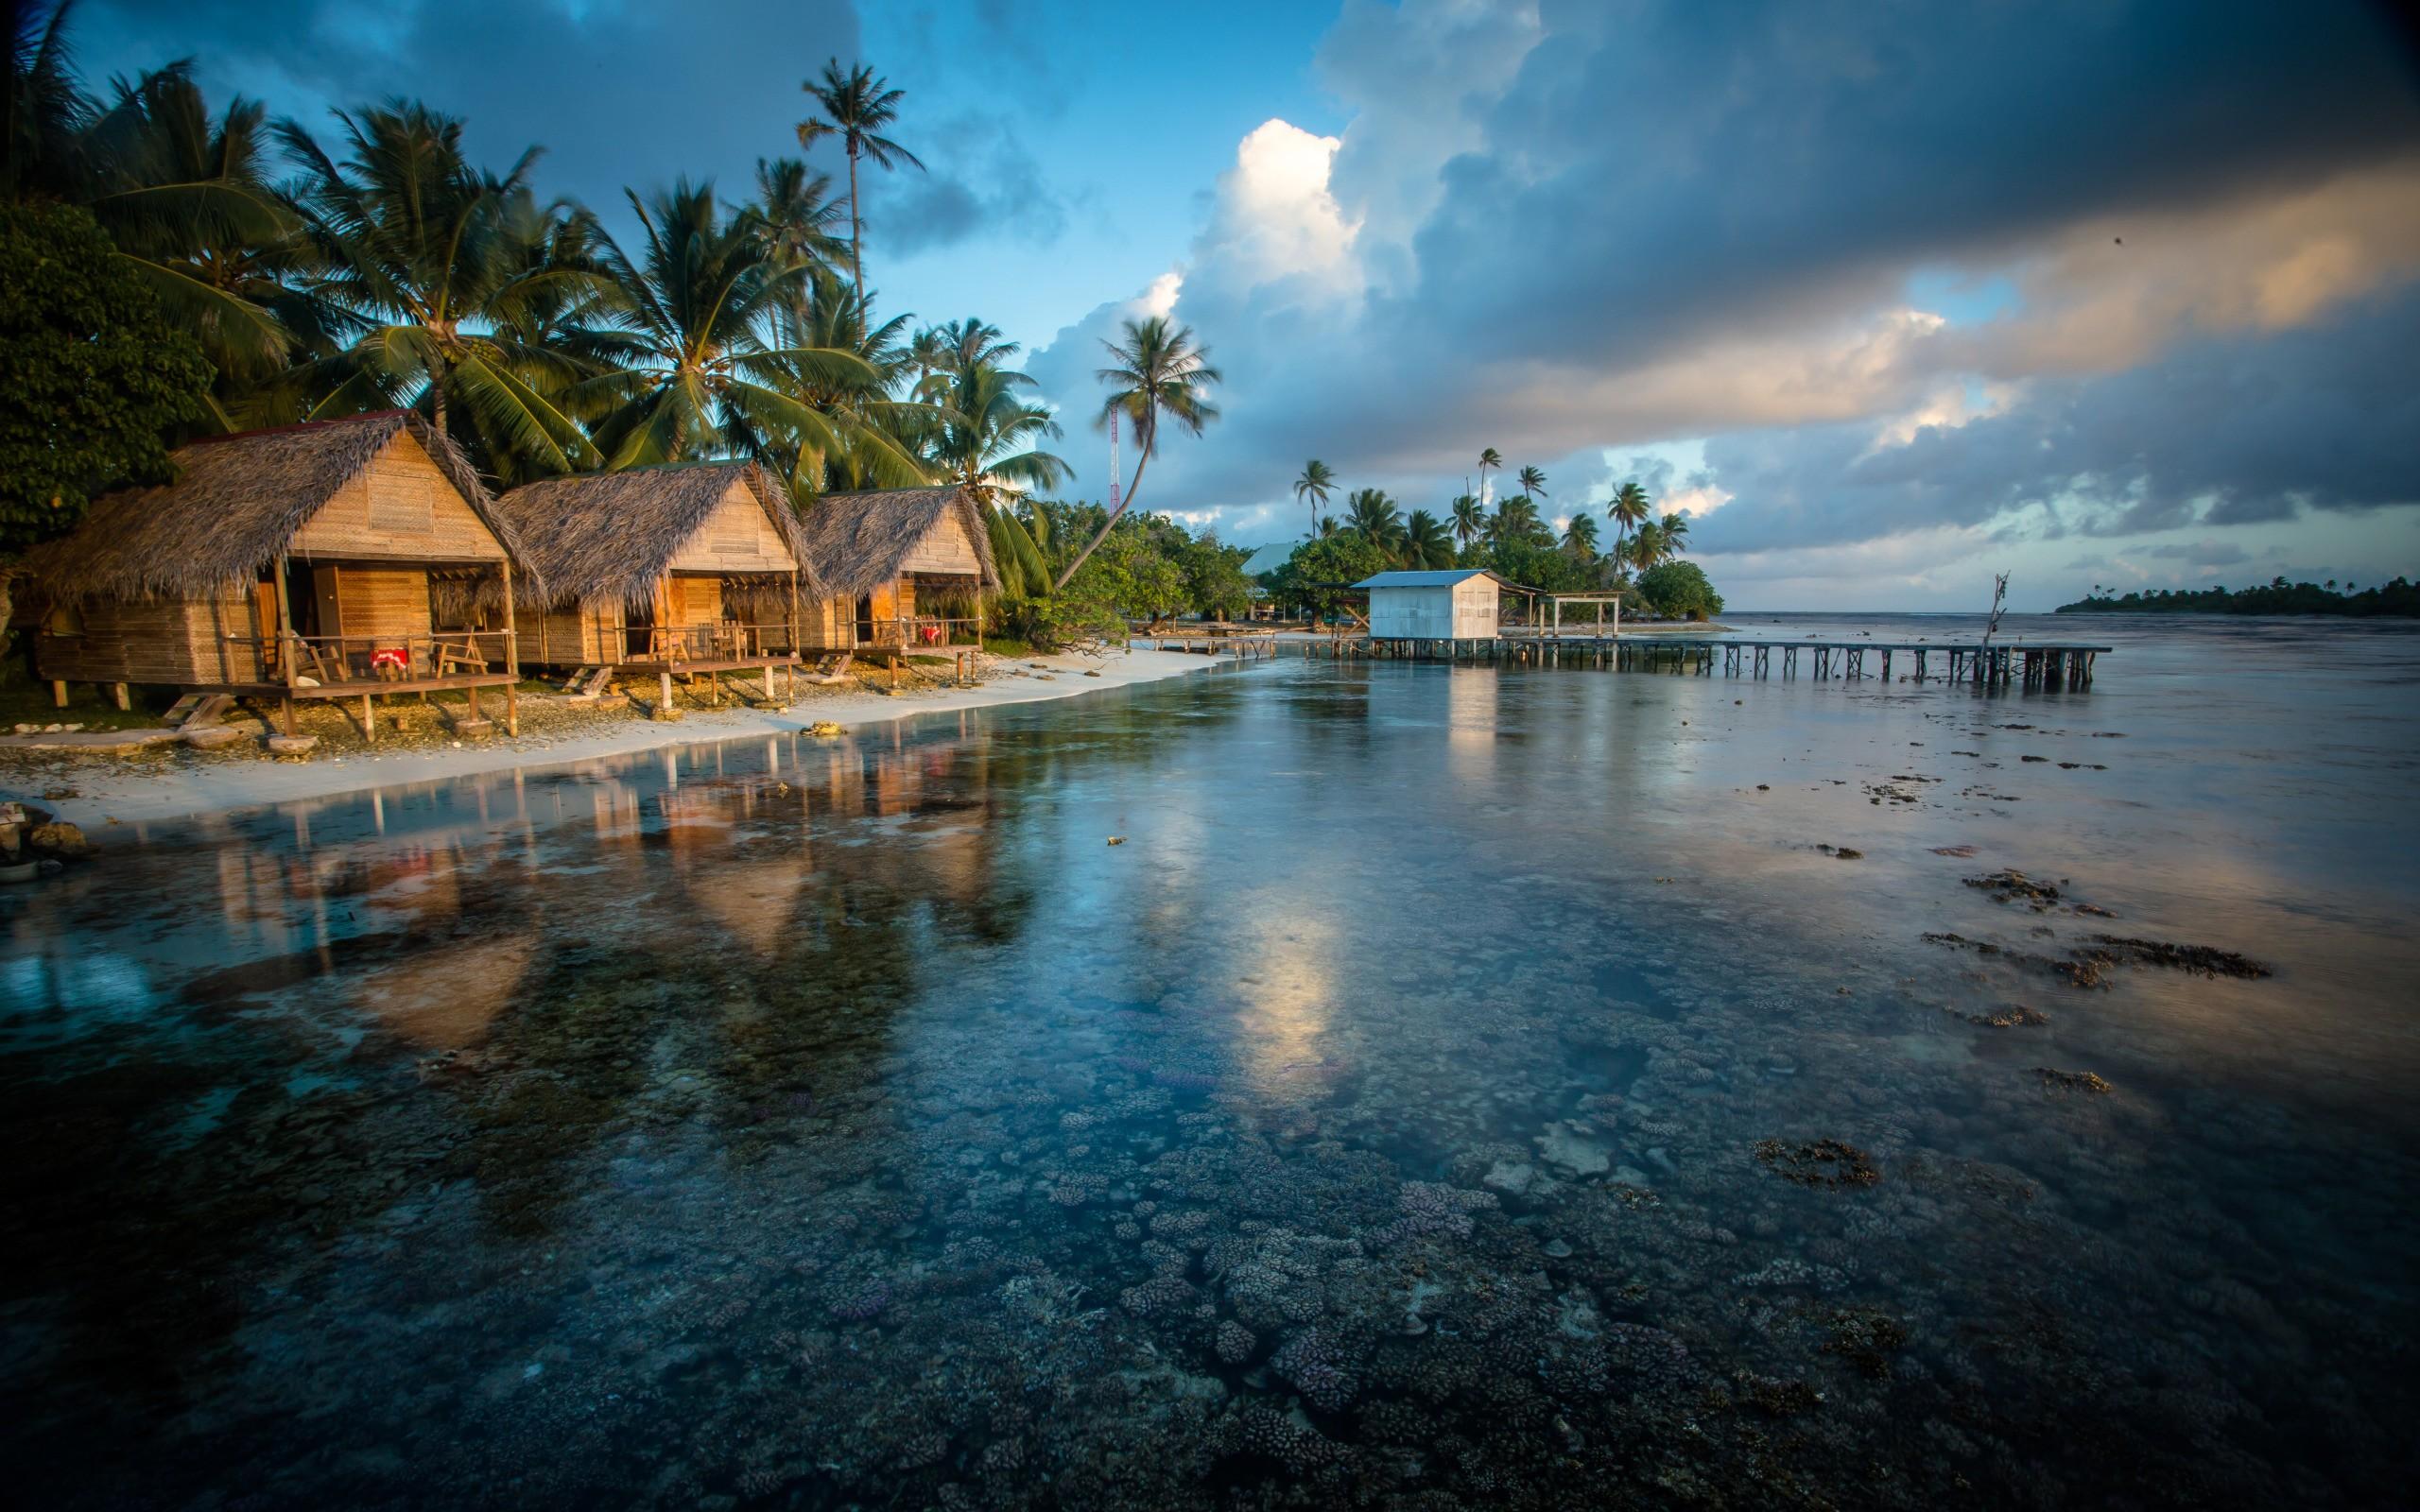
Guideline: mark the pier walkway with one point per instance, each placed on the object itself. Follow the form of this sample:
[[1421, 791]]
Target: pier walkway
[[2047, 666]]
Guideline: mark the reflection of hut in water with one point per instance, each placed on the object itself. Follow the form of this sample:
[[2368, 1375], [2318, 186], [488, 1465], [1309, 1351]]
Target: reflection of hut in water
[[901, 569], [447, 996], [693, 569], [336, 560]]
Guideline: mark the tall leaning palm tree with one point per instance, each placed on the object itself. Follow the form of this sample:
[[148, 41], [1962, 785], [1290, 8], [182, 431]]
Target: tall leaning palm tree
[[856, 107], [426, 264], [1533, 482], [1488, 458], [1470, 518], [1158, 373], [1317, 482], [1628, 509]]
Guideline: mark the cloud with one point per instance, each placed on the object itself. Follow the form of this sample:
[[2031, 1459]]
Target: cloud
[[1576, 232], [981, 183], [619, 94]]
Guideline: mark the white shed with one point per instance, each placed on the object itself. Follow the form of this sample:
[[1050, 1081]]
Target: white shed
[[1455, 604]]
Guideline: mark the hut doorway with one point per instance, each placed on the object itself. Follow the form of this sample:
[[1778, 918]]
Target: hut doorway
[[865, 619], [638, 629]]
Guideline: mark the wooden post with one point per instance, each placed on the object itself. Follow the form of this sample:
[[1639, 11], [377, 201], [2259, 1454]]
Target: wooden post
[[663, 689], [474, 691], [59, 692], [512, 656], [117, 691], [369, 721], [285, 634]]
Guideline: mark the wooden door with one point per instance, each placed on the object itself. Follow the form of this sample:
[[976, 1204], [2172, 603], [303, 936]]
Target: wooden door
[[327, 600]]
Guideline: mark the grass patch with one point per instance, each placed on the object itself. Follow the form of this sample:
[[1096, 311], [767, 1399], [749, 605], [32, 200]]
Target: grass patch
[[1007, 645]]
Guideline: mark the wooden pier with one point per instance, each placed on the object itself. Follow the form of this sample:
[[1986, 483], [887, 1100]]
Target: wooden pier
[[1210, 640], [2059, 665]]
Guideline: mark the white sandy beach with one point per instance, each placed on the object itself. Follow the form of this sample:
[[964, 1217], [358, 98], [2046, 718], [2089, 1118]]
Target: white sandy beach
[[130, 792]]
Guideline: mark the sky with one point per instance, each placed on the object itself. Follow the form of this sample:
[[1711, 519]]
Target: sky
[[1888, 297]]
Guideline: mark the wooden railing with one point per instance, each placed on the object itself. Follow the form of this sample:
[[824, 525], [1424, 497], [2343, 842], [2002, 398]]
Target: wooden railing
[[920, 631], [328, 660], [724, 641]]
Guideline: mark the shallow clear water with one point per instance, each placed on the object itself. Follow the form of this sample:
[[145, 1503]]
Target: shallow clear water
[[849, 1123]]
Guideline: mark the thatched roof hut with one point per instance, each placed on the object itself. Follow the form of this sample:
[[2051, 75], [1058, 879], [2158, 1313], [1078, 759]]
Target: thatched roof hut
[[237, 502], [861, 542], [610, 538]]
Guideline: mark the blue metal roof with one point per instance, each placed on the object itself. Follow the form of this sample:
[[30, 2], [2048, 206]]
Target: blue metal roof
[[1444, 578]]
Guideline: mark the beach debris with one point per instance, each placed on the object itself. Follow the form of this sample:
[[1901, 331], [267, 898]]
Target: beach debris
[[293, 745], [826, 728], [2072, 1081], [1842, 853], [1117, 839], [1818, 1163], [1960, 852]]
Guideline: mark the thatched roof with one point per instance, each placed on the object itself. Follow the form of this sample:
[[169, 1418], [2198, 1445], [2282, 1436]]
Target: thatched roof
[[601, 538], [858, 540], [236, 502]]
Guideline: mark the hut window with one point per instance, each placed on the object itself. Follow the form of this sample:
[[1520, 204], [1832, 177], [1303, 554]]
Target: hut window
[[402, 508]]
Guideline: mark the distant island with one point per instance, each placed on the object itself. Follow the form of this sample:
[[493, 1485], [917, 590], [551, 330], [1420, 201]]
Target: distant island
[[2277, 596]]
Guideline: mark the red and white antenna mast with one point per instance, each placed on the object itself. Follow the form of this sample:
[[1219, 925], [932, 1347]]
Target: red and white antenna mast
[[1113, 462]]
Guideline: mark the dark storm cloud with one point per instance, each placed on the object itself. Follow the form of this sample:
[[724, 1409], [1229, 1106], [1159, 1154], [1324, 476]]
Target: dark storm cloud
[[620, 95], [2225, 431], [1655, 169]]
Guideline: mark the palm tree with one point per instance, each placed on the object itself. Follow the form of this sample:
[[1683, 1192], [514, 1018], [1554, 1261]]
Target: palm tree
[[1426, 542], [1470, 518], [46, 109], [881, 435], [988, 432], [1370, 512], [1488, 458], [971, 342], [1158, 372], [795, 214], [1317, 482], [701, 378], [856, 107], [1579, 537], [1516, 519], [1628, 509], [1534, 483], [425, 264], [1676, 534], [187, 203], [1646, 546], [1325, 527]]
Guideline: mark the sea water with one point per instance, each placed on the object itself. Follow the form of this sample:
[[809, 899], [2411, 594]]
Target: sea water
[[1291, 1084]]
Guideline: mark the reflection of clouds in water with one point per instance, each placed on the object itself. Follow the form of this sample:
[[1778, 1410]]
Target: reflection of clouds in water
[[1289, 991]]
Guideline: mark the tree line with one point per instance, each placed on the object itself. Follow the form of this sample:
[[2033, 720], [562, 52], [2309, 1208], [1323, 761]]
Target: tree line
[[1513, 539], [2399, 596], [175, 269]]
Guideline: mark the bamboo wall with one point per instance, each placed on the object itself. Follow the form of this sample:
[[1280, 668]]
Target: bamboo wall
[[945, 548], [402, 506], [737, 538], [172, 642]]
